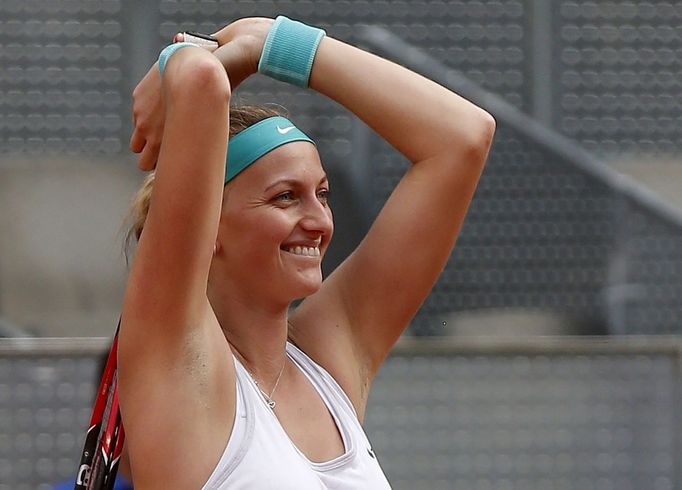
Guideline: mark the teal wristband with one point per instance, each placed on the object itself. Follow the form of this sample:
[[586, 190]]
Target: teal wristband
[[168, 51], [289, 51]]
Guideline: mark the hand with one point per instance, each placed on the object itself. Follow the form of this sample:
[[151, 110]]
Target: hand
[[149, 114], [241, 44]]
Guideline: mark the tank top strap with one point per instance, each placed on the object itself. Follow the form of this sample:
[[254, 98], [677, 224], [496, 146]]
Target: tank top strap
[[323, 380]]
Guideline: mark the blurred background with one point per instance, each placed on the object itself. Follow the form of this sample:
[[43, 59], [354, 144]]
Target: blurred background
[[549, 354]]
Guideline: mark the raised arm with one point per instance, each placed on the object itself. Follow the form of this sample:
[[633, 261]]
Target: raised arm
[[363, 307], [382, 284], [174, 379], [447, 139]]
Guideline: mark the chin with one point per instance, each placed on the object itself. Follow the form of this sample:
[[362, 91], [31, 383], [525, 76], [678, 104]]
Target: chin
[[306, 286]]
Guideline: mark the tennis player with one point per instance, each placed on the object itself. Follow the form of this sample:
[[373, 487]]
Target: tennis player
[[221, 386]]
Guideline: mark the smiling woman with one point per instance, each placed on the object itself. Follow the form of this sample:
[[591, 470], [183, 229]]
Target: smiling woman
[[284, 197], [220, 385]]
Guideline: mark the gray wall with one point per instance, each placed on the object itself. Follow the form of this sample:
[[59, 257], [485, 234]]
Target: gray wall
[[61, 267]]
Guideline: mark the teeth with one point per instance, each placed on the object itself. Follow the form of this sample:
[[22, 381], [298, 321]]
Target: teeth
[[306, 251]]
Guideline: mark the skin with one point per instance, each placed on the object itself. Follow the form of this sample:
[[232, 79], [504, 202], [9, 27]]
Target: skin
[[187, 312]]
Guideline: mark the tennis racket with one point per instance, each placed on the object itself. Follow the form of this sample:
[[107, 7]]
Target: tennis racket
[[203, 40], [105, 436]]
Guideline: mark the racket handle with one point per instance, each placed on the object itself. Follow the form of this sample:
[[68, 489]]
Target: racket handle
[[85, 465], [90, 457]]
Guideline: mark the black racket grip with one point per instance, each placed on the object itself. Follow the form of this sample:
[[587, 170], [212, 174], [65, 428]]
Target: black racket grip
[[85, 466]]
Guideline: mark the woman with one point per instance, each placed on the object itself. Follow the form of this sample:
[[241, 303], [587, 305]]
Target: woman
[[220, 386]]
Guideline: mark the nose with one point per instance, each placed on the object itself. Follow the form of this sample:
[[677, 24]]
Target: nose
[[317, 217]]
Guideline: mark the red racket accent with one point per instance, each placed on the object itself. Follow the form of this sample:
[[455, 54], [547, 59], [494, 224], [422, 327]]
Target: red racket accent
[[99, 460], [101, 477], [115, 457]]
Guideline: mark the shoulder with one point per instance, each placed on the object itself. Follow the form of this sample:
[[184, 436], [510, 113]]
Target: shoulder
[[323, 335]]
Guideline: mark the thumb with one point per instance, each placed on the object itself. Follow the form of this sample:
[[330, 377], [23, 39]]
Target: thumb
[[235, 57]]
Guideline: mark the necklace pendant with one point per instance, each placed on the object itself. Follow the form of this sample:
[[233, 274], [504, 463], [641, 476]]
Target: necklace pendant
[[271, 404]]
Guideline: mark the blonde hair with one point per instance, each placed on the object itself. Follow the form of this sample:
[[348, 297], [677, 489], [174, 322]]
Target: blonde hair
[[241, 117]]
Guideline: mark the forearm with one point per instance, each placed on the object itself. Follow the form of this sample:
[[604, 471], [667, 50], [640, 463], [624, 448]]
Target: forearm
[[418, 117], [196, 93], [182, 222]]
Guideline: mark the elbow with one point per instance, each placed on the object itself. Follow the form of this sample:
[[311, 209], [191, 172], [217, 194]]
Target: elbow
[[199, 75], [479, 136], [488, 126]]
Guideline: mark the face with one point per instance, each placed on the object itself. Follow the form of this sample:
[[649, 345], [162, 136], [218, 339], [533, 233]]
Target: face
[[276, 224]]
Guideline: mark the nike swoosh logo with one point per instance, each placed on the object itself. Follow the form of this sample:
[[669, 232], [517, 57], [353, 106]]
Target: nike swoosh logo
[[284, 130], [371, 452]]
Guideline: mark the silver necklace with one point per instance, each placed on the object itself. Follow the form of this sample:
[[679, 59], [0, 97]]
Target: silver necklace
[[268, 398]]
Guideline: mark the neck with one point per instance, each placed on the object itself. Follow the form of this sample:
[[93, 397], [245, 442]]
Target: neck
[[256, 333]]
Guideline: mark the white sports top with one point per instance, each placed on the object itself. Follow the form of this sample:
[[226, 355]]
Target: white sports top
[[260, 455]]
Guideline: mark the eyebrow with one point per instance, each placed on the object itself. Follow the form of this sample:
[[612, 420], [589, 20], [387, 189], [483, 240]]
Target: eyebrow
[[293, 182]]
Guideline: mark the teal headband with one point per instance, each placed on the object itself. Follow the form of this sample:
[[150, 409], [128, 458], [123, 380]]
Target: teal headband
[[250, 144]]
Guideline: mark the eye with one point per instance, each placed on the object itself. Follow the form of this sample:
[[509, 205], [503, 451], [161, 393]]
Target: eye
[[284, 197], [323, 195]]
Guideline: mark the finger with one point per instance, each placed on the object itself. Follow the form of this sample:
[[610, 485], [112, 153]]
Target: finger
[[148, 157], [137, 141], [224, 35], [203, 40]]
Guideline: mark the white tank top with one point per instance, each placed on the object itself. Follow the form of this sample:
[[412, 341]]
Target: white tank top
[[260, 455]]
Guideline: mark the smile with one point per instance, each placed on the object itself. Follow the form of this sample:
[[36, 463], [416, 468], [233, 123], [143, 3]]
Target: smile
[[304, 251]]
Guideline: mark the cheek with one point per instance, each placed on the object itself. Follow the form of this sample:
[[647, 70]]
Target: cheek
[[275, 227], [256, 235]]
